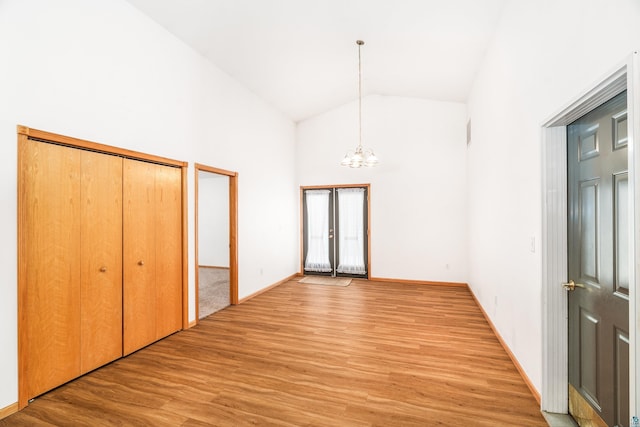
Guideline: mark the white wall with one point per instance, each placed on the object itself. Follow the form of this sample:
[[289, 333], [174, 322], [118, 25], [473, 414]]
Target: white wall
[[418, 192], [213, 219], [102, 71], [545, 53]]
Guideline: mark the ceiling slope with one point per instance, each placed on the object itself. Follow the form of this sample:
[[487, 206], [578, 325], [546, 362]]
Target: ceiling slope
[[301, 55]]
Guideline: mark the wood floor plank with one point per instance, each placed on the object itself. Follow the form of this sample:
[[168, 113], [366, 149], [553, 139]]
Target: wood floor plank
[[370, 354]]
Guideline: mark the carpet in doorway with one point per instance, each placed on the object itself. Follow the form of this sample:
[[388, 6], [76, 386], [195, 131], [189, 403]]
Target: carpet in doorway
[[320, 280], [213, 290]]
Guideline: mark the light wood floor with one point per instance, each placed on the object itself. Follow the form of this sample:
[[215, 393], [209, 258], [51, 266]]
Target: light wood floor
[[371, 354]]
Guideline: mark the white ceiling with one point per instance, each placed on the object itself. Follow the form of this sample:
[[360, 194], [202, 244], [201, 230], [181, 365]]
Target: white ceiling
[[301, 55]]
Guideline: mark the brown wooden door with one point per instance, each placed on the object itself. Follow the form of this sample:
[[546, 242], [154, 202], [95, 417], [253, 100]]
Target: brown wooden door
[[599, 263], [70, 263], [49, 266], [168, 221], [101, 259], [139, 274], [152, 253], [74, 311]]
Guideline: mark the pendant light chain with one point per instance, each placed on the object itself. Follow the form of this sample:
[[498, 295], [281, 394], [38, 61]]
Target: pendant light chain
[[360, 43]]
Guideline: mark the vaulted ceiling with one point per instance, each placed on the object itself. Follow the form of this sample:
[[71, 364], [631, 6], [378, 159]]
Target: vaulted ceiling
[[301, 55]]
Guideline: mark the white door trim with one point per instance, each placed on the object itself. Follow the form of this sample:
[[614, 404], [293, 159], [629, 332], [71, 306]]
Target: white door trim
[[554, 393]]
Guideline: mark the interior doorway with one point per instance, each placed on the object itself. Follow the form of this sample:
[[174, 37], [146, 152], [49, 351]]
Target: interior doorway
[[216, 240], [555, 375]]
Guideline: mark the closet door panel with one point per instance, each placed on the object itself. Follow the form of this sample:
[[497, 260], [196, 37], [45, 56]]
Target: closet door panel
[[139, 263], [168, 250], [101, 269], [49, 272]]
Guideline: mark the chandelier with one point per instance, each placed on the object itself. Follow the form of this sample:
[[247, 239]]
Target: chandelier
[[361, 156]]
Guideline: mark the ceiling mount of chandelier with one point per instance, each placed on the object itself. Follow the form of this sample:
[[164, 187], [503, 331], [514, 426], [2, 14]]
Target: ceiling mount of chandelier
[[360, 156]]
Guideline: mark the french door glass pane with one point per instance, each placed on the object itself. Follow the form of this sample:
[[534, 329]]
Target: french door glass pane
[[351, 231], [318, 231]]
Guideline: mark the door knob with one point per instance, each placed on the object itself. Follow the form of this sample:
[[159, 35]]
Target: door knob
[[140, 262], [103, 269], [571, 285]]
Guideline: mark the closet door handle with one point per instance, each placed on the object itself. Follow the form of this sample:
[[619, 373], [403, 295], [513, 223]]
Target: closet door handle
[[140, 262], [103, 269]]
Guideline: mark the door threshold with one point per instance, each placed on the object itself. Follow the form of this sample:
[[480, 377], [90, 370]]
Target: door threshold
[[559, 420]]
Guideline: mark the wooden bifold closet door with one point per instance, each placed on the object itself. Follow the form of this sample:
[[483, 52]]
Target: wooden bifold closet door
[[152, 253], [71, 263], [100, 260]]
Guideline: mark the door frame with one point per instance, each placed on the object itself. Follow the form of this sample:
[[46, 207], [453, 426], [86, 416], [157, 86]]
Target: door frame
[[233, 233], [555, 378], [25, 133], [317, 187]]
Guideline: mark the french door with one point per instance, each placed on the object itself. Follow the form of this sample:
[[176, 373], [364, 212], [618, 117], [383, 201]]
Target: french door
[[335, 232]]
